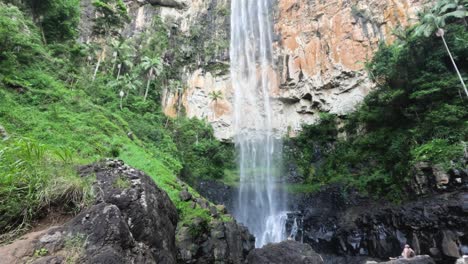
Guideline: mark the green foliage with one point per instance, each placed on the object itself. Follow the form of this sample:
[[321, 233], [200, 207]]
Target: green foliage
[[59, 19], [203, 156], [417, 114], [437, 151], [215, 96], [301, 188], [19, 39], [33, 178], [442, 12], [223, 11], [47, 94], [313, 142], [113, 15], [74, 247], [122, 183], [41, 252], [198, 228]]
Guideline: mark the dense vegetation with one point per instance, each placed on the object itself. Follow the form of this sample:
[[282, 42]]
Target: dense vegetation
[[418, 113], [65, 103]]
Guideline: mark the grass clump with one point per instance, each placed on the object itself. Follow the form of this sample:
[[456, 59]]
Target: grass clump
[[122, 183], [74, 248], [34, 179]]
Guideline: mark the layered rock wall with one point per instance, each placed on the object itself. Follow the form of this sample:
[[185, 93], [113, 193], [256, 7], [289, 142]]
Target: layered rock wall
[[321, 48]]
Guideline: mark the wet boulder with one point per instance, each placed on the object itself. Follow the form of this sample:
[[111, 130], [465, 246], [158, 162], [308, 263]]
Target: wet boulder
[[215, 242], [416, 260], [284, 252], [170, 3]]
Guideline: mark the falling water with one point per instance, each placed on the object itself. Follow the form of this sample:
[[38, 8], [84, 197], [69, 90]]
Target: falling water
[[259, 201], [294, 230]]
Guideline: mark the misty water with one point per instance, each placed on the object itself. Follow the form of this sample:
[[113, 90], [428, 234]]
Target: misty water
[[260, 203]]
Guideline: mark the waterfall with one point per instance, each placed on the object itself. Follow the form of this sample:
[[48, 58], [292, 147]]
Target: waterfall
[[294, 230], [259, 201]]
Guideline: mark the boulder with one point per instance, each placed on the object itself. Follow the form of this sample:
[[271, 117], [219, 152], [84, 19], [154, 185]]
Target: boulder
[[213, 211], [50, 260], [107, 234], [284, 252], [462, 260], [449, 244], [429, 178], [221, 242], [170, 3], [132, 221], [217, 192], [150, 214], [185, 196], [202, 203], [416, 260]]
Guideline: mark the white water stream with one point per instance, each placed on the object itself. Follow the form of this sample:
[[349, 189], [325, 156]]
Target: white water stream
[[260, 202]]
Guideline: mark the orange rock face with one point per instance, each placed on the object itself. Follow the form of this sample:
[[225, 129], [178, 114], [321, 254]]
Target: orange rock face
[[316, 36]]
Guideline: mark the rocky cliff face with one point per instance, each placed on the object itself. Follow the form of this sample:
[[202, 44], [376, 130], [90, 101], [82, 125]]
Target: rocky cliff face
[[208, 26], [320, 48]]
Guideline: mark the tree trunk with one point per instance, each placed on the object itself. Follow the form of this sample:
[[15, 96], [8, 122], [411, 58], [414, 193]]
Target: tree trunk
[[150, 76], [43, 35], [214, 108], [455, 65], [97, 68], [100, 58], [118, 72]]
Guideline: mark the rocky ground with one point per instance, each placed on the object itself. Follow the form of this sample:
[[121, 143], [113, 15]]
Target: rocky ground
[[131, 221], [134, 221]]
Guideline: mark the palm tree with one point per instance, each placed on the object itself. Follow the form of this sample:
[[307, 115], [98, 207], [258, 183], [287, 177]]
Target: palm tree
[[215, 96], [111, 16], [123, 53], [130, 82], [154, 67], [434, 21]]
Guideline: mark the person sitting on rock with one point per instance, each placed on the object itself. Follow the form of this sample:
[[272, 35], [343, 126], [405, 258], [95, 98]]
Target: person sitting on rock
[[407, 252]]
